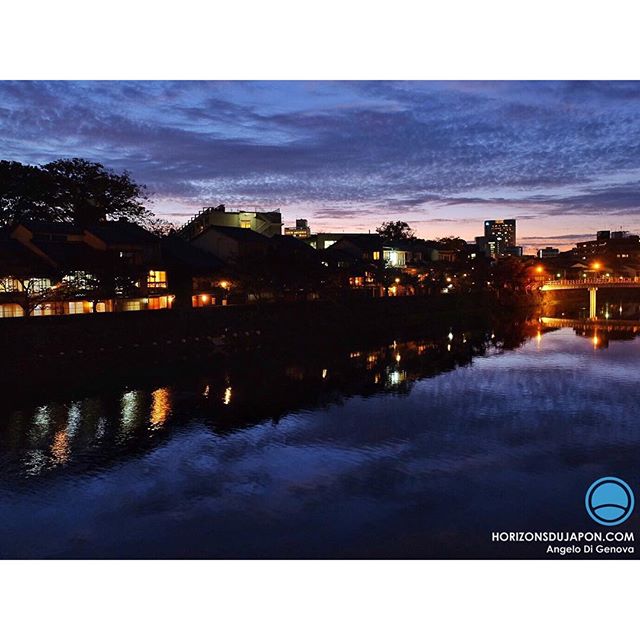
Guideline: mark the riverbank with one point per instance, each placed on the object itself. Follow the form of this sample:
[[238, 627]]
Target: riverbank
[[62, 349]]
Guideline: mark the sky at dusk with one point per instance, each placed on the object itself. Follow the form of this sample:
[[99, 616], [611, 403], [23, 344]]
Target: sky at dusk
[[563, 158]]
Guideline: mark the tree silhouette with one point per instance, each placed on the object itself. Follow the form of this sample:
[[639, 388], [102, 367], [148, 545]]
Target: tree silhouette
[[25, 193], [72, 190], [394, 231]]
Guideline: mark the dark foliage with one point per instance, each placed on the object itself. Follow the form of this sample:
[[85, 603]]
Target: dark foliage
[[71, 190]]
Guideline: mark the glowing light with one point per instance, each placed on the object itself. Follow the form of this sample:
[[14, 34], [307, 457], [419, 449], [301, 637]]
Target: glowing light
[[596, 341], [539, 269], [160, 407], [60, 450], [227, 396], [324, 373], [398, 358], [450, 336], [397, 279], [596, 266], [224, 284], [204, 297]]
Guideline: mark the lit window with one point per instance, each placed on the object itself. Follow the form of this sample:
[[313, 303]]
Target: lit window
[[11, 311], [376, 255], [157, 280], [245, 224], [10, 285]]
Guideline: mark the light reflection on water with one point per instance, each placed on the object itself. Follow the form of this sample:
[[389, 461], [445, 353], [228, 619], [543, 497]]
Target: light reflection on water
[[416, 449]]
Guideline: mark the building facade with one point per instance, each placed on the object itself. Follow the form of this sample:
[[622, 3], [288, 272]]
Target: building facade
[[502, 233], [266, 223], [301, 230]]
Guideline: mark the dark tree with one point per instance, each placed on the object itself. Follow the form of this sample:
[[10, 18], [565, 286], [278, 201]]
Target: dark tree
[[72, 190], [86, 192], [394, 231], [25, 193], [159, 227], [454, 243]]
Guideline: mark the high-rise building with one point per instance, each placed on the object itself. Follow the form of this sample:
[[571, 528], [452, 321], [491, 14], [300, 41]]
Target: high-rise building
[[503, 231]]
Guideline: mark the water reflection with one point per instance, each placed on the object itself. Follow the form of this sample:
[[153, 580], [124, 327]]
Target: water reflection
[[100, 429], [160, 407], [411, 448]]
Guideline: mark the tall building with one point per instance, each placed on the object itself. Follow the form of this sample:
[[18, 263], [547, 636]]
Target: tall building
[[266, 223], [301, 230], [502, 231]]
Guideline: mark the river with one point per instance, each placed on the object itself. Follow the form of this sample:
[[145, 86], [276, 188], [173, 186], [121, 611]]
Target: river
[[417, 449]]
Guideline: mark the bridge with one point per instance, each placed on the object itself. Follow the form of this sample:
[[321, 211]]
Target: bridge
[[592, 285], [630, 326]]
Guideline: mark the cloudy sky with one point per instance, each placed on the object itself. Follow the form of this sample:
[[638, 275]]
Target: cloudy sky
[[563, 158]]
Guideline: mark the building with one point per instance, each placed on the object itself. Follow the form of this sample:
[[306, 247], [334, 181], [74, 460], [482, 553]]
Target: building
[[198, 278], [59, 268], [321, 241], [502, 233], [266, 223], [548, 252], [301, 230], [514, 251], [487, 246], [231, 244], [620, 245], [372, 248]]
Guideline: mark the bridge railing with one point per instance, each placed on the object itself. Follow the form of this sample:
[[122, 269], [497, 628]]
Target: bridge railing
[[591, 281]]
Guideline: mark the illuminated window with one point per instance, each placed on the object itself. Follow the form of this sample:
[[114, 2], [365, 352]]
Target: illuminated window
[[157, 280], [44, 310], [32, 285], [10, 285], [79, 306], [245, 224], [376, 255], [132, 305], [11, 311], [158, 303]]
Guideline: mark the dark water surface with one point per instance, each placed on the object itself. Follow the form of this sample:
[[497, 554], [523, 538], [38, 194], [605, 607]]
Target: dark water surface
[[406, 450]]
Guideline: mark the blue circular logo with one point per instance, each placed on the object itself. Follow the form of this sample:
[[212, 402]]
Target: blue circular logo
[[609, 501]]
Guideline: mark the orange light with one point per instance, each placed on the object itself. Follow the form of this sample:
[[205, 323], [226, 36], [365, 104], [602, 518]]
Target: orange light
[[596, 265], [539, 269], [596, 341], [224, 284], [204, 297]]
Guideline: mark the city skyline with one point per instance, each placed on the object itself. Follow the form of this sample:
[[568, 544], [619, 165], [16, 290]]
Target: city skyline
[[559, 157]]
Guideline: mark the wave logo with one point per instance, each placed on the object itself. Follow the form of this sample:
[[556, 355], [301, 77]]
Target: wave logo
[[609, 501]]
